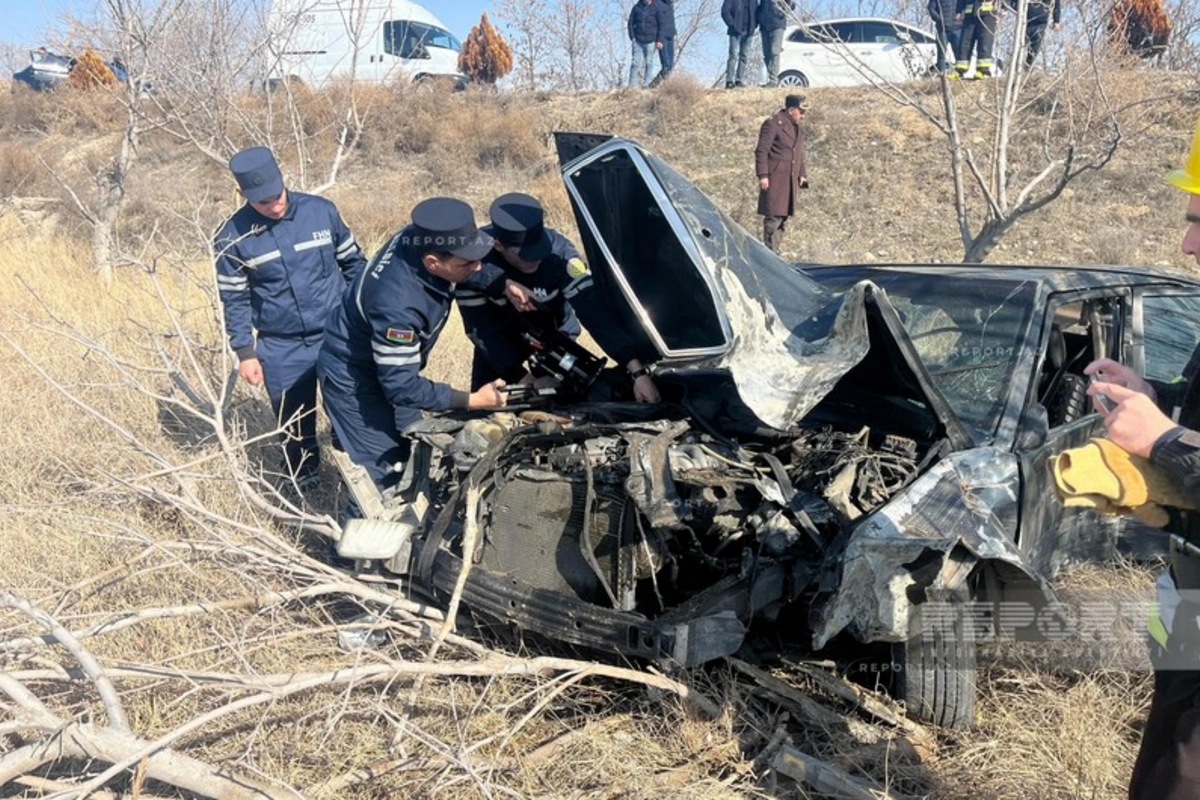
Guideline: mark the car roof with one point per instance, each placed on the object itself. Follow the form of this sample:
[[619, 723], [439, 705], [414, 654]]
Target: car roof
[[1053, 278], [811, 23]]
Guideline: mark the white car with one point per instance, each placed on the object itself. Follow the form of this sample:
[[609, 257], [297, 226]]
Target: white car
[[855, 51]]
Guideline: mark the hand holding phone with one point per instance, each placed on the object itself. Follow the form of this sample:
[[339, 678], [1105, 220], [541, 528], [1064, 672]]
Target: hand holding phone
[[1104, 400]]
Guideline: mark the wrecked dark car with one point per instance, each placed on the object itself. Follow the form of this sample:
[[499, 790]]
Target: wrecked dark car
[[48, 71], [838, 446]]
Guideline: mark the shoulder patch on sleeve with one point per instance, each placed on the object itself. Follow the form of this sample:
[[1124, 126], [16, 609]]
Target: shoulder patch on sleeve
[[401, 335], [576, 268]]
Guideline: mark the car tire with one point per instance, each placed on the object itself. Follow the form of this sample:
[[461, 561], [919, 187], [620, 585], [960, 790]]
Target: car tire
[[793, 78], [937, 665]]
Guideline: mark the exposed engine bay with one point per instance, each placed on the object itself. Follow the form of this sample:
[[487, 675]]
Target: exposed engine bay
[[595, 510]]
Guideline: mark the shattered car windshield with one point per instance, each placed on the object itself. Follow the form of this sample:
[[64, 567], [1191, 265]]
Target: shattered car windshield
[[969, 334]]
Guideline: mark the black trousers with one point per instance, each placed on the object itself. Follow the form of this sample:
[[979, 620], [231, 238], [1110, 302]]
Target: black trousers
[[978, 35], [1175, 693], [1035, 33]]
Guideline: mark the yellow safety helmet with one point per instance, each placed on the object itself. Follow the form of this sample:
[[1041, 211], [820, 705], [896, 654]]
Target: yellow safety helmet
[[1188, 178]]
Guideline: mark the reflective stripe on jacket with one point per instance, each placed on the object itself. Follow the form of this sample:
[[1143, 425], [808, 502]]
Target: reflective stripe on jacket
[[283, 277]]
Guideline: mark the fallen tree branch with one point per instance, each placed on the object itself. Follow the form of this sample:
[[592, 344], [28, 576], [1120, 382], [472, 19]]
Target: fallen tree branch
[[805, 707], [826, 778], [860, 698], [81, 740], [91, 667]]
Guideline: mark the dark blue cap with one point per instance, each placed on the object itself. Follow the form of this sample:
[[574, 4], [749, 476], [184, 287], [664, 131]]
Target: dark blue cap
[[518, 220], [257, 174], [443, 224]]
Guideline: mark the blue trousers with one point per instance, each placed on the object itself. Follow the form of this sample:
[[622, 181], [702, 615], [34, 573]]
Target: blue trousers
[[368, 428], [639, 66], [290, 373], [666, 60]]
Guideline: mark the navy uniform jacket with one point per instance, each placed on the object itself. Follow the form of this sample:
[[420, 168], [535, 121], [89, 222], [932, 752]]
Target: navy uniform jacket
[[283, 277], [562, 283], [379, 337]]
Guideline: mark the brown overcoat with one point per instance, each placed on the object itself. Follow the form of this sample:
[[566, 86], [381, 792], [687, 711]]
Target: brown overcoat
[[780, 157]]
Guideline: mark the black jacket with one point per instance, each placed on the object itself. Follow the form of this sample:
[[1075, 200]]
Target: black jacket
[[740, 16], [1040, 10], [942, 11], [645, 22], [666, 19], [771, 15]]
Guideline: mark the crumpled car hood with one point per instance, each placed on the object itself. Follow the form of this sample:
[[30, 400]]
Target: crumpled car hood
[[711, 297]]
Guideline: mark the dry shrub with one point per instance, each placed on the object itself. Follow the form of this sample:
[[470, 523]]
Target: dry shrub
[[1050, 737], [90, 72], [24, 111], [1116, 244], [673, 103], [19, 170]]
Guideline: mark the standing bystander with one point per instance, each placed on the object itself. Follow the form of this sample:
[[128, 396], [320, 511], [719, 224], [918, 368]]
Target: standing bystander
[[666, 54], [779, 164], [282, 260], [645, 35], [948, 29], [1038, 14], [979, 19], [740, 18], [772, 19]]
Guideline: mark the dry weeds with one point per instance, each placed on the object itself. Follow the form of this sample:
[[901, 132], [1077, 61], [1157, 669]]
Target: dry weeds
[[99, 531]]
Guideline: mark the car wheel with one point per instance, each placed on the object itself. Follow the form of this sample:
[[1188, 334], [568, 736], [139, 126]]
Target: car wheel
[[937, 664], [793, 78]]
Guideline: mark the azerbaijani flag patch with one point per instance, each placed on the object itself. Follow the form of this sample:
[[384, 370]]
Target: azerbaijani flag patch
[[401, 335]]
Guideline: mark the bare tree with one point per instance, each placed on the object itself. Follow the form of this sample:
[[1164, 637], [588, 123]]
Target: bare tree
[[1040, 132], [528, 23], [575, 28], [696, 20]]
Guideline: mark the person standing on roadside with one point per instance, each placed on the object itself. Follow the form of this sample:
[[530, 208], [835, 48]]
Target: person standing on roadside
[[741, 21], [645, 35], [666, 54], [773, 17], [1168, 760], [779, 164], [282, 262], [948, 29], [1039, 14], [979, 20]]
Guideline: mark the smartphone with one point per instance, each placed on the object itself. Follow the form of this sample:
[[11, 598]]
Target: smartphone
[[1105, 401]]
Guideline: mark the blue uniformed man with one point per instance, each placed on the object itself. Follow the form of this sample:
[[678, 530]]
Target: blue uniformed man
[[380, 335], [283, 261], [550, 269]]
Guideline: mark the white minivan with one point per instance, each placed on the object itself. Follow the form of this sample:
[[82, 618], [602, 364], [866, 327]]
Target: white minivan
[[378, 41]]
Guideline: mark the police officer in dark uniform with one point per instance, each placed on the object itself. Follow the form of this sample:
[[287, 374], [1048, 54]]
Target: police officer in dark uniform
[[379, 337], [544, 264], [283, 260]]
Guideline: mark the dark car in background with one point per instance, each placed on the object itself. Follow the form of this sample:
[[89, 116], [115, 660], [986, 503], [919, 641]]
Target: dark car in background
[[863, 447], [47, 71]]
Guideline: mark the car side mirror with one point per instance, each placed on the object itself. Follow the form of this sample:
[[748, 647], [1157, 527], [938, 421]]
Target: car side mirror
[[1034, 427]]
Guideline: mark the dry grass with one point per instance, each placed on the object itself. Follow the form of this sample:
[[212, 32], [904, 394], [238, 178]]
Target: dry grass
[[78, 535]]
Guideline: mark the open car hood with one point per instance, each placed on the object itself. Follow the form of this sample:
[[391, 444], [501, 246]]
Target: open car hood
[[704, 295]]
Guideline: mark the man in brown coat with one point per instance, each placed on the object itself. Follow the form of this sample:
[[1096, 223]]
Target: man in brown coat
[[779, 164]]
